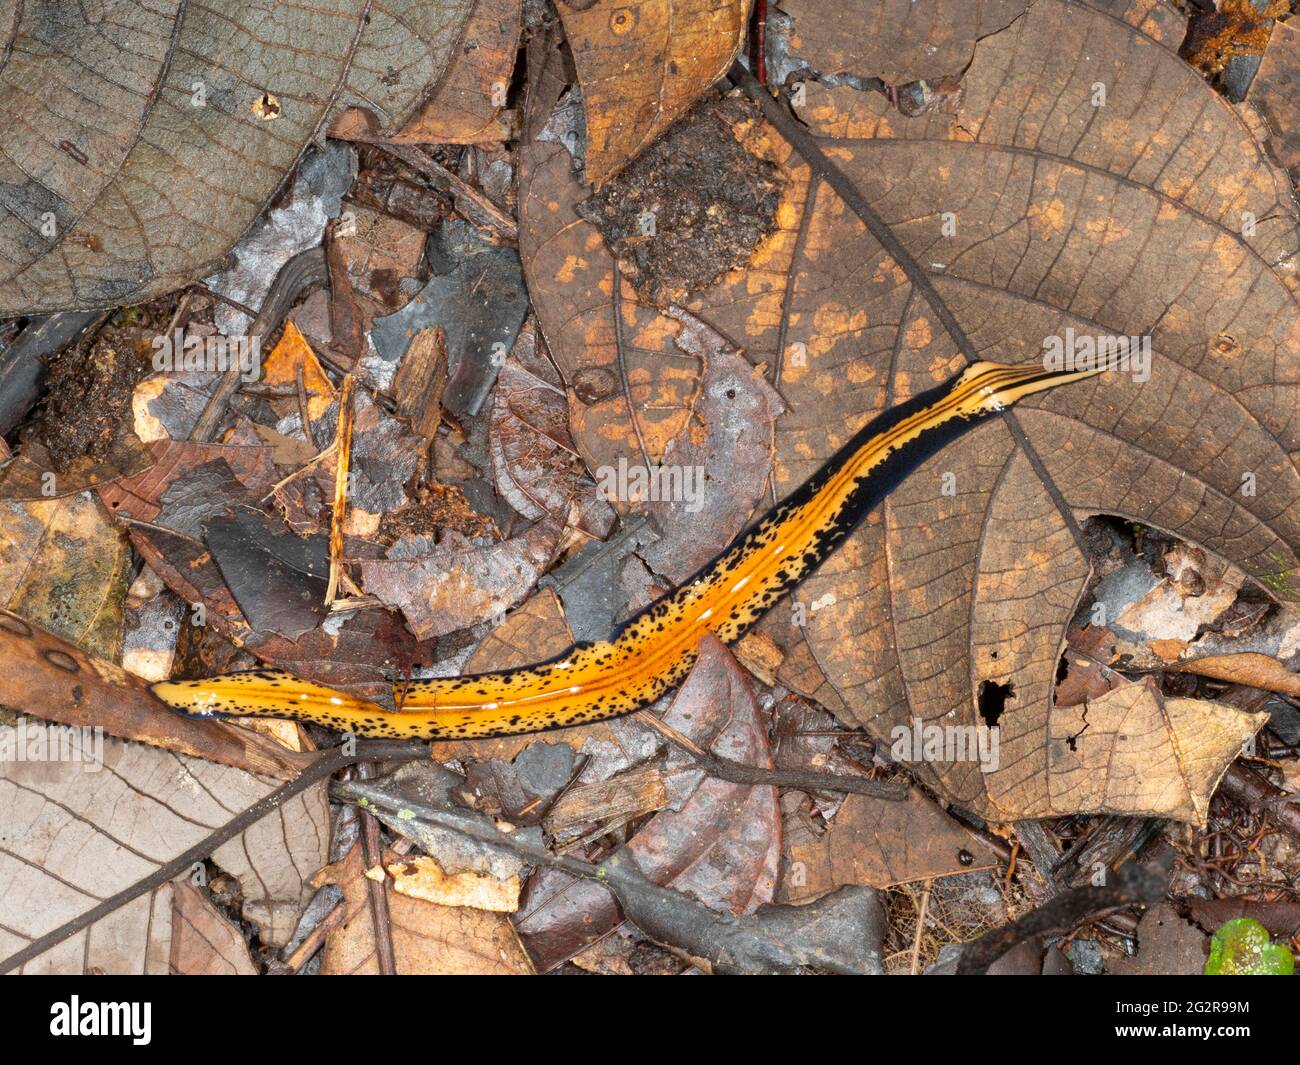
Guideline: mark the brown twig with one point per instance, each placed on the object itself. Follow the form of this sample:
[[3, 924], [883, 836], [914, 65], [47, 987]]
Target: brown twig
[[1133, 884], [313, 941], [920, 926], [372, 850], [740, 773], [469, 201], [304, 411]]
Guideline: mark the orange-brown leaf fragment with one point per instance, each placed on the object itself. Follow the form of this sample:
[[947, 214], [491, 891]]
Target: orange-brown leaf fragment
[[642, 64]]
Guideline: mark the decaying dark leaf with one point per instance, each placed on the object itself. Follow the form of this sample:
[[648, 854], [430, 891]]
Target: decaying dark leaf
[[277, 579], [477, 296]]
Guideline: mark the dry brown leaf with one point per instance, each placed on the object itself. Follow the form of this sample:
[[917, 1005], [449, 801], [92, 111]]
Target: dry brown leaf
[[76, 832], [881, 843], [897, 41], [203, 941], [1276, 93], [292, 355], [1135, 751], [427, 938], [1247, 667], [151, 148], [469, 104], [642, 64], [456, 584]]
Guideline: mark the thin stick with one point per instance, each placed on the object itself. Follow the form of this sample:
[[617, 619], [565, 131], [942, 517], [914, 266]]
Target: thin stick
[[343, 454], [740, 773], [372, 850], [302, 954], [920, 927], [482, 211]]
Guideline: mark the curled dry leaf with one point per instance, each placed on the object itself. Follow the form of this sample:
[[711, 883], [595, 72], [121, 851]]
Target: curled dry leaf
[[455, 583], [79, 831], [145, 132], [642, 64]]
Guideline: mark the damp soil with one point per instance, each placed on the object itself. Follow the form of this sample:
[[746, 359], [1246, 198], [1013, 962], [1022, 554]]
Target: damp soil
[[89, 387], [691, 207]]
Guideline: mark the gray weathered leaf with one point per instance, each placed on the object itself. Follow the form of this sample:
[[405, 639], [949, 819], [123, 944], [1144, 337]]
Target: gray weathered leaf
[[134, 155]]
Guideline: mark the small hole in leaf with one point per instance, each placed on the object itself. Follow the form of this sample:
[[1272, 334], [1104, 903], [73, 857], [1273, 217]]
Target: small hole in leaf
[[1062, 669], [266, 107], [992, 700]]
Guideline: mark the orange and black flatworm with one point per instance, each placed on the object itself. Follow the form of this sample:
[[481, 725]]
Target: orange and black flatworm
[[653, 651]]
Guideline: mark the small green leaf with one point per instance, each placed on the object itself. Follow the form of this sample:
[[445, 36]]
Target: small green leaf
[[1241, 947]]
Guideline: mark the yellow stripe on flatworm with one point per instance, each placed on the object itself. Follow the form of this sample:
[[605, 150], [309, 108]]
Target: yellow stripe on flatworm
[[652, 653]]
